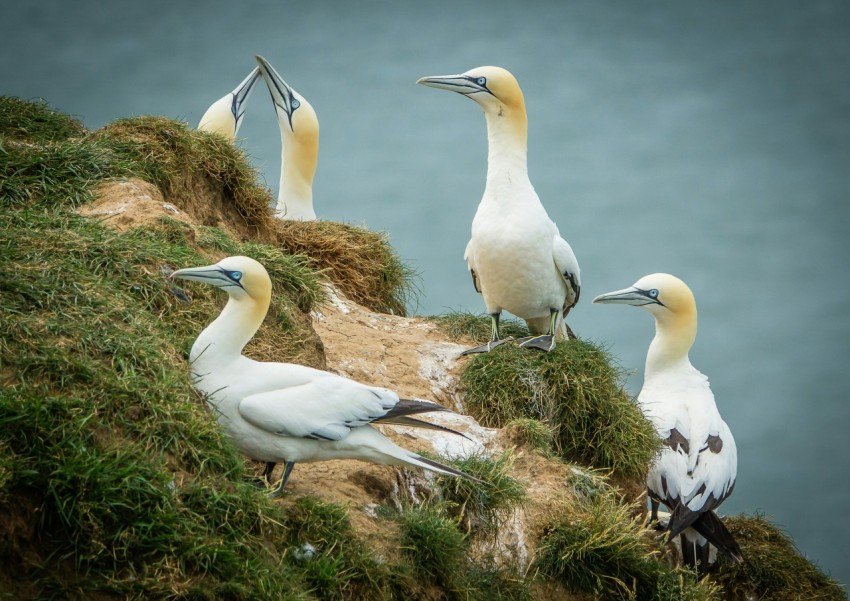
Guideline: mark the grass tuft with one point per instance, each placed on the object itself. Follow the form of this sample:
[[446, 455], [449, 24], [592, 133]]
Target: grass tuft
[[361, 263], [577, 389], [482, 509], [202, 173], [36, 121], [773, 568], [598, 546], [461, 326]]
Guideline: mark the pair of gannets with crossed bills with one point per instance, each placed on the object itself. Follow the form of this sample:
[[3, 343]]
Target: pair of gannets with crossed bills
[[281, 412], [299, 137], [697, 466], [518, 260], [225, 114]]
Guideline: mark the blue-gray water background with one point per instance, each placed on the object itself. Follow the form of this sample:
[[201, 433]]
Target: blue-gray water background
[[710, 140]]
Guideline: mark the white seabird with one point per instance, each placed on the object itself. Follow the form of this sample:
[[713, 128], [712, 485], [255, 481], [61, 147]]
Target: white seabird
[[698, 464], [225, 114], [518, 260], [281, 412], [299, 137]]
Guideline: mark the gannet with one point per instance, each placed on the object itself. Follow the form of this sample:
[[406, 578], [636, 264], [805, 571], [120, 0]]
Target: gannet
[[225, 114], [516, 256], [299, 137], [281, 412], [698, 464]]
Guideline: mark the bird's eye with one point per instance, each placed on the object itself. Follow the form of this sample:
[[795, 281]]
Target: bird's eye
[[295, 103], [481, 81], [236, 275], [653, 293]]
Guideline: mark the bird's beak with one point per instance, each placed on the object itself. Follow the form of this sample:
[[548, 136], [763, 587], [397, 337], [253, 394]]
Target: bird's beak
[[462, 84], [211, 274], [241, 94], [282, 95], [626, 296]]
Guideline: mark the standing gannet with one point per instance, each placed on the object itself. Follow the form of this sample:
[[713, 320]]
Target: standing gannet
[[696, 469], [225, 114], [281, 412], [299, 137], [518, 260]]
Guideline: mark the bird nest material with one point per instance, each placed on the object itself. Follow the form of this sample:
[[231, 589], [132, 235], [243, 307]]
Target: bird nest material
[[361, 263]]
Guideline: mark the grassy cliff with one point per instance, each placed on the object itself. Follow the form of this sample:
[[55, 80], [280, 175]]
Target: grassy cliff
[[115, 481]]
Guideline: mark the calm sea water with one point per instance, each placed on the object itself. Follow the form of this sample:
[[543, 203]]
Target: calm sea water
[[708, 140]]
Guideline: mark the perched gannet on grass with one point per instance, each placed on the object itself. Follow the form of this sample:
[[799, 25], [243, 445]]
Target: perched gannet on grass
[[518, 260], [698, 464], [281, 412], [225, 114], [299, 137]]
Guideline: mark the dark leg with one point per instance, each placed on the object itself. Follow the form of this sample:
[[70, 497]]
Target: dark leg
[[280, 485], [546, 342], [495, 338], [264, 480]]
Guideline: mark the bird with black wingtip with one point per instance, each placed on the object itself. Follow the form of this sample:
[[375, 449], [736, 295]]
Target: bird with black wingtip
[[698, 464], [287, 413]]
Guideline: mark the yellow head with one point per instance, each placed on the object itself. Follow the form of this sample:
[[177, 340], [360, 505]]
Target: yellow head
[[494, 88], [241, 277]]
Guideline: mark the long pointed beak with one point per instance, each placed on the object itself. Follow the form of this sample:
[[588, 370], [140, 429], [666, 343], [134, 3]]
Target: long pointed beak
[[462, 84], [626, 296], [241, 95], [211, 274], [282, 95]]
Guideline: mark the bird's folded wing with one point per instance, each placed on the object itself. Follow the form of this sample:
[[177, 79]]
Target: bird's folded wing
[[324, 409], [469, 256], [714, 475], [567, 264]]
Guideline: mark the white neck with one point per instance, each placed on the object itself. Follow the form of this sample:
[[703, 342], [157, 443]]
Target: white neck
[[222, 341], [299, 157], [507, 137], [295, 196], [674, 337]]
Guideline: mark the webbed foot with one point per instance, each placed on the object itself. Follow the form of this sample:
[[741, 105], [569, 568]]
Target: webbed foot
[[546, 342]]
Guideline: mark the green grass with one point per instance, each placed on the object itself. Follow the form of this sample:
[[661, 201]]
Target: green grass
[[35, 121], [577, 390], [439, 553], [482, 509], [599, 547], [182, 161], [773, 567], [462, 325]]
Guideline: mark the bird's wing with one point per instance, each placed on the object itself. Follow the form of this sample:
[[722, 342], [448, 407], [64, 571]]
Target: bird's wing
[[469, 255], [567, 264], [325, 408], [710, 482], [715, 471]]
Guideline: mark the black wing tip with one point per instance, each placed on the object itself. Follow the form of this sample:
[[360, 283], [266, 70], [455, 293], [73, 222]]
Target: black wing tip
[[412, 422], [712, 528], [448, 469]]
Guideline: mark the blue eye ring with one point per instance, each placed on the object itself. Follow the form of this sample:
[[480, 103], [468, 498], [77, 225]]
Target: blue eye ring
[[481, 81], [295, 103], [653, 293], [235, 275]]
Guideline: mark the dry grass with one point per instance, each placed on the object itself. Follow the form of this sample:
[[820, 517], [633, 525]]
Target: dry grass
[[773, 569], [361, 263]]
